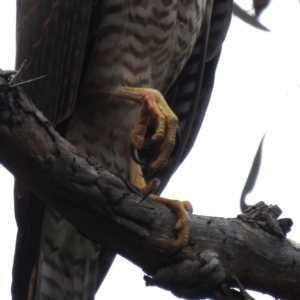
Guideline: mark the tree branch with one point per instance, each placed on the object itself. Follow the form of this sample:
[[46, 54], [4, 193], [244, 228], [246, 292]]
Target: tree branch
[[107, 209]]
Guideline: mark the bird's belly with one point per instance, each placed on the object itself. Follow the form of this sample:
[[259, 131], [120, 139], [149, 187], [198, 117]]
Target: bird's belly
[[139, 44], [145, 44], [142, 47], [103, 131]]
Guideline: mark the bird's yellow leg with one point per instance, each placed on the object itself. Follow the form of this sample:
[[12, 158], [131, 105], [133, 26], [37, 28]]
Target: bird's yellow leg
[[136, 178], [153, 105], [181, 208]]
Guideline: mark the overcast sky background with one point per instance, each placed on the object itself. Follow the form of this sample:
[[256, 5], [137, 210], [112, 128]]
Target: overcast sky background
[[256, 91]]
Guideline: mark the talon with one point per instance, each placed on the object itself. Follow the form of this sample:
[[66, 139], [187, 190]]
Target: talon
[[135, 156], [151, 186], [153, 105], [183, 224], [151, 150]]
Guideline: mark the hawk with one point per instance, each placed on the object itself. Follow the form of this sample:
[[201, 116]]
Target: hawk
[[108, 63]]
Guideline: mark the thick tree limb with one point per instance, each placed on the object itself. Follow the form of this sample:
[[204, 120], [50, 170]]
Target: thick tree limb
[[107, 208]]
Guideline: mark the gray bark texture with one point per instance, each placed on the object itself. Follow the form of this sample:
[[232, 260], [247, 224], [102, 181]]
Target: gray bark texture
[[222, 253]]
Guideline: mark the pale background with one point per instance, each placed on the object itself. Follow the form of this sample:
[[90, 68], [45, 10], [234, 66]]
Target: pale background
[[256, 91]]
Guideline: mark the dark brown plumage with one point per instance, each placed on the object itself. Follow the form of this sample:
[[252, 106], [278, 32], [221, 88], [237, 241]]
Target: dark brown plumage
[[172, 46]]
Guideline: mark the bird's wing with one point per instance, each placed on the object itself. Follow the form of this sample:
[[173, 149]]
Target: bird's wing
[[57, 48], [189, 96], [47, 34], [53, 37]]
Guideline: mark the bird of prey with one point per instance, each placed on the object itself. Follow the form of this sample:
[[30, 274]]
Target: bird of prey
[[108, 63]]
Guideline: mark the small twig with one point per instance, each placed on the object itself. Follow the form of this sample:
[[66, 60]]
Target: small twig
[[18, 73], [27, 81]]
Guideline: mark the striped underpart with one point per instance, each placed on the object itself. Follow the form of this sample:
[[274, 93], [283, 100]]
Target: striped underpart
[[144, 43], [139, 44]]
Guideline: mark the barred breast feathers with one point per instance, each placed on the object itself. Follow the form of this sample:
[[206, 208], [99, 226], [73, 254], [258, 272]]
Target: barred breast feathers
[[144, 43]]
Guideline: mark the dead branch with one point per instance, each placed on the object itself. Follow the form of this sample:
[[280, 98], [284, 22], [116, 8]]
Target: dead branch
[[107, 209]]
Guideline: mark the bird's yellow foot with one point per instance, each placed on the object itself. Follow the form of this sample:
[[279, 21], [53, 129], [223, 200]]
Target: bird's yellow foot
[[183, 225], [181, 209], [153, 105]]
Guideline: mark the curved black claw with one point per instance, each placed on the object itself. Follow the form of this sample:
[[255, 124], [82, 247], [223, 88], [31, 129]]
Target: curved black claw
[[150, 151], [135, 156], [150, 173], [148, 154]]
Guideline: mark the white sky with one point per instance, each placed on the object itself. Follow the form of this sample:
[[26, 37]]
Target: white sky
[[255, 92]]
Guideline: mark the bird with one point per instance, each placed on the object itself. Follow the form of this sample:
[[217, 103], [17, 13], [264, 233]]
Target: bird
[[121, 75]]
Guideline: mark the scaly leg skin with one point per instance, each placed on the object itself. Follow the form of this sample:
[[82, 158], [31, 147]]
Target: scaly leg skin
[[183, 224], [152, 104]]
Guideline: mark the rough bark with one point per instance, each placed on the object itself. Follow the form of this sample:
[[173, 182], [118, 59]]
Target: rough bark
[[106, 208]]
